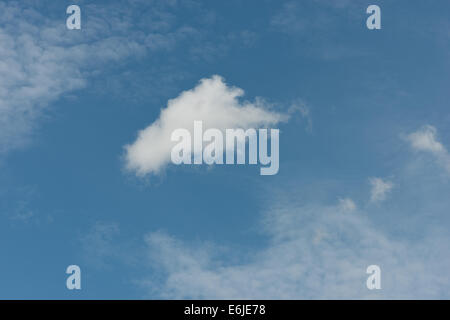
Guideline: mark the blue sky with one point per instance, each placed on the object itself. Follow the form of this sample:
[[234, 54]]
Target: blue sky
[[364, 161]]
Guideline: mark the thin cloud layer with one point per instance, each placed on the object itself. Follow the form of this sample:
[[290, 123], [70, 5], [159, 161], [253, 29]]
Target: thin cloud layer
[[318, 251], [40, 60], [380, 189], [211, 101], [347, 205], [314, 252]]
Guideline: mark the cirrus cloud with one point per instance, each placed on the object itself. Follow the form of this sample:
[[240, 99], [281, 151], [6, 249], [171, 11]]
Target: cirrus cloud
[[314, 252]]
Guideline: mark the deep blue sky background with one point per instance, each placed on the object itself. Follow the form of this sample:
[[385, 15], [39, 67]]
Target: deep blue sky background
[[65, 197]]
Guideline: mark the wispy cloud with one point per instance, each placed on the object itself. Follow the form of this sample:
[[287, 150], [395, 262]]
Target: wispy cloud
[[347, 205], [321, 251], [99, 243], [380, 189], [314, 251], [305, 113], [41, 61]]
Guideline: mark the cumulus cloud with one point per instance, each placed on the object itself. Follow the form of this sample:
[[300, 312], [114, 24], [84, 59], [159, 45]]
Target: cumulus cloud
[[425, 140], [211, 101], [41, 61], [314, 252], [380, 189]]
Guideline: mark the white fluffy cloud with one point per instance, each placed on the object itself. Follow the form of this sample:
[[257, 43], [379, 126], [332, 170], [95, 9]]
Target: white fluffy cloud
[[380, 189], [211, 101], [40, 60], [425, 140], [314, 252]]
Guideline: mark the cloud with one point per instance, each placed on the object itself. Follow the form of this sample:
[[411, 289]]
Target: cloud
[[380, 189], [314, 252], [41, 61], [212, 101], [321, 251], [425, 140]]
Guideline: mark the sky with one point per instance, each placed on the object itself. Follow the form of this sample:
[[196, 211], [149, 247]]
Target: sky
[[364, 161]]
